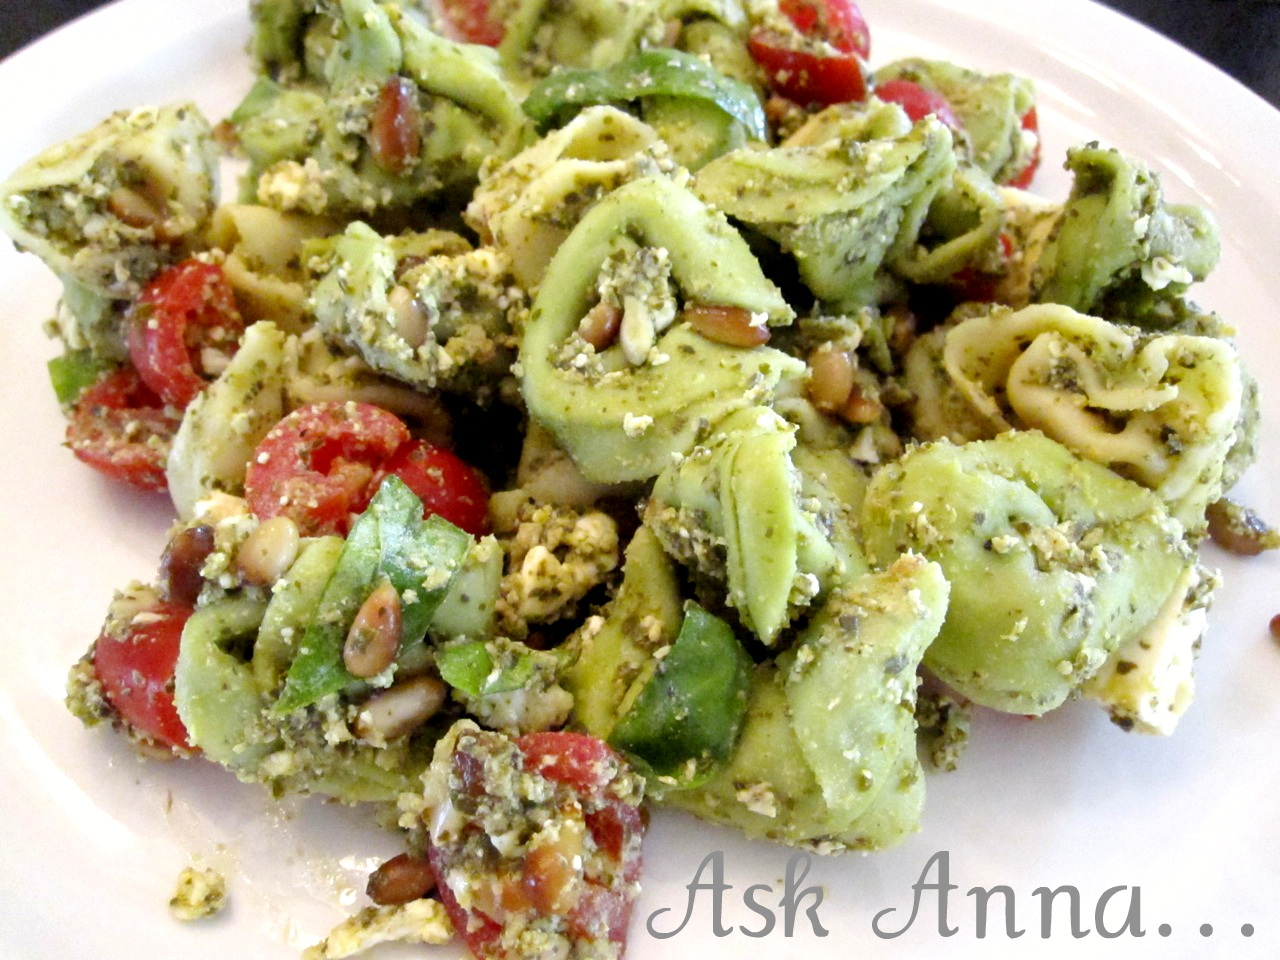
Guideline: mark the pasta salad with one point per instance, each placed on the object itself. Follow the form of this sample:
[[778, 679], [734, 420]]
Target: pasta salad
[[635, 411]]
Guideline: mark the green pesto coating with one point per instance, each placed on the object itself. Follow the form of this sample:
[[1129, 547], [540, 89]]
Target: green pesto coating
[[731, 510], [307, 123]]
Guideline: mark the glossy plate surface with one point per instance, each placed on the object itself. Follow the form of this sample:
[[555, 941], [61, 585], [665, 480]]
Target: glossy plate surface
[[93, 840]]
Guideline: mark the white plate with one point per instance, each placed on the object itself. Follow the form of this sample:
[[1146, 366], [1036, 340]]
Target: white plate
[[94, 840]]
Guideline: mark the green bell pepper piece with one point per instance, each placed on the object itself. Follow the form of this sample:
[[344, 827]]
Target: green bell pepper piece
[[75, 372], [555, 100], [686, 718]]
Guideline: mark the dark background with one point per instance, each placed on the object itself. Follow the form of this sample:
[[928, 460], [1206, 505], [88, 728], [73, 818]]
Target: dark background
[[1240, 36]]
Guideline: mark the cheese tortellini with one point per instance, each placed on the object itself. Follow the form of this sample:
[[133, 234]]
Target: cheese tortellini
[[1159, 409], [1053, 561]]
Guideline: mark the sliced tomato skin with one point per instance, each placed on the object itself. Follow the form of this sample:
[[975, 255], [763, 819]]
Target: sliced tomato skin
[[917, 101], [186, 306], [123, 430], [321, 464], [1031, 123], [447, 486], [800, 72], [136, 673], [474, 21]]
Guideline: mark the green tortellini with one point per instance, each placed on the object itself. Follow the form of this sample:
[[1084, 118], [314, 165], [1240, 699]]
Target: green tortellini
[[227, 715], [543, 34], [442, 322], [527, 206], [1053, 560], [1162, 410], [622, 414], [1119, 247], [341, 74], [846, 195], [732, 509], [990, 107], [106, 210], [827, 754], [225, 422]]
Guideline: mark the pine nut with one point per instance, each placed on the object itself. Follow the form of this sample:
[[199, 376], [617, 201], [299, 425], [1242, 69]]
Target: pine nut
[[184, 555], [400, 709], [133, 208], [401, 879], [831, 377], [412, 322], [395, 134], [268, 552], [549, 869], [600, 326], [862, 407], [732, 326], [374, 637]]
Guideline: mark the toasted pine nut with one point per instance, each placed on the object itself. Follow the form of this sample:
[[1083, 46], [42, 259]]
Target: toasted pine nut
[[903, 331], [733, 326], [862, 407], [400, 709], [374, 637], [268, 552], [401, 879], [831, 377], [134, 208], [549, 869], [1238, 529], [184, 555], [395, 135], [600, 326], [412, 322], [1275, 627]]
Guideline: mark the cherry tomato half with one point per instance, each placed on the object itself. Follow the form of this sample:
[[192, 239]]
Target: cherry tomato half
[[447, 486], [122, 429], [595, 904], [188, 308], [473, 21], [1031, 124], [822, 60], [917, 101], [320, 465], [136, 673]]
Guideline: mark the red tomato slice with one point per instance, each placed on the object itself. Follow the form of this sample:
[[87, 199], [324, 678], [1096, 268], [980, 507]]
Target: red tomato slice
[[1031, 123], [136, 673], [473, 21], [598, 904], [822, 61], [321, 464], [185, 309], [122, 429], [917, 101], [446, 485]]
